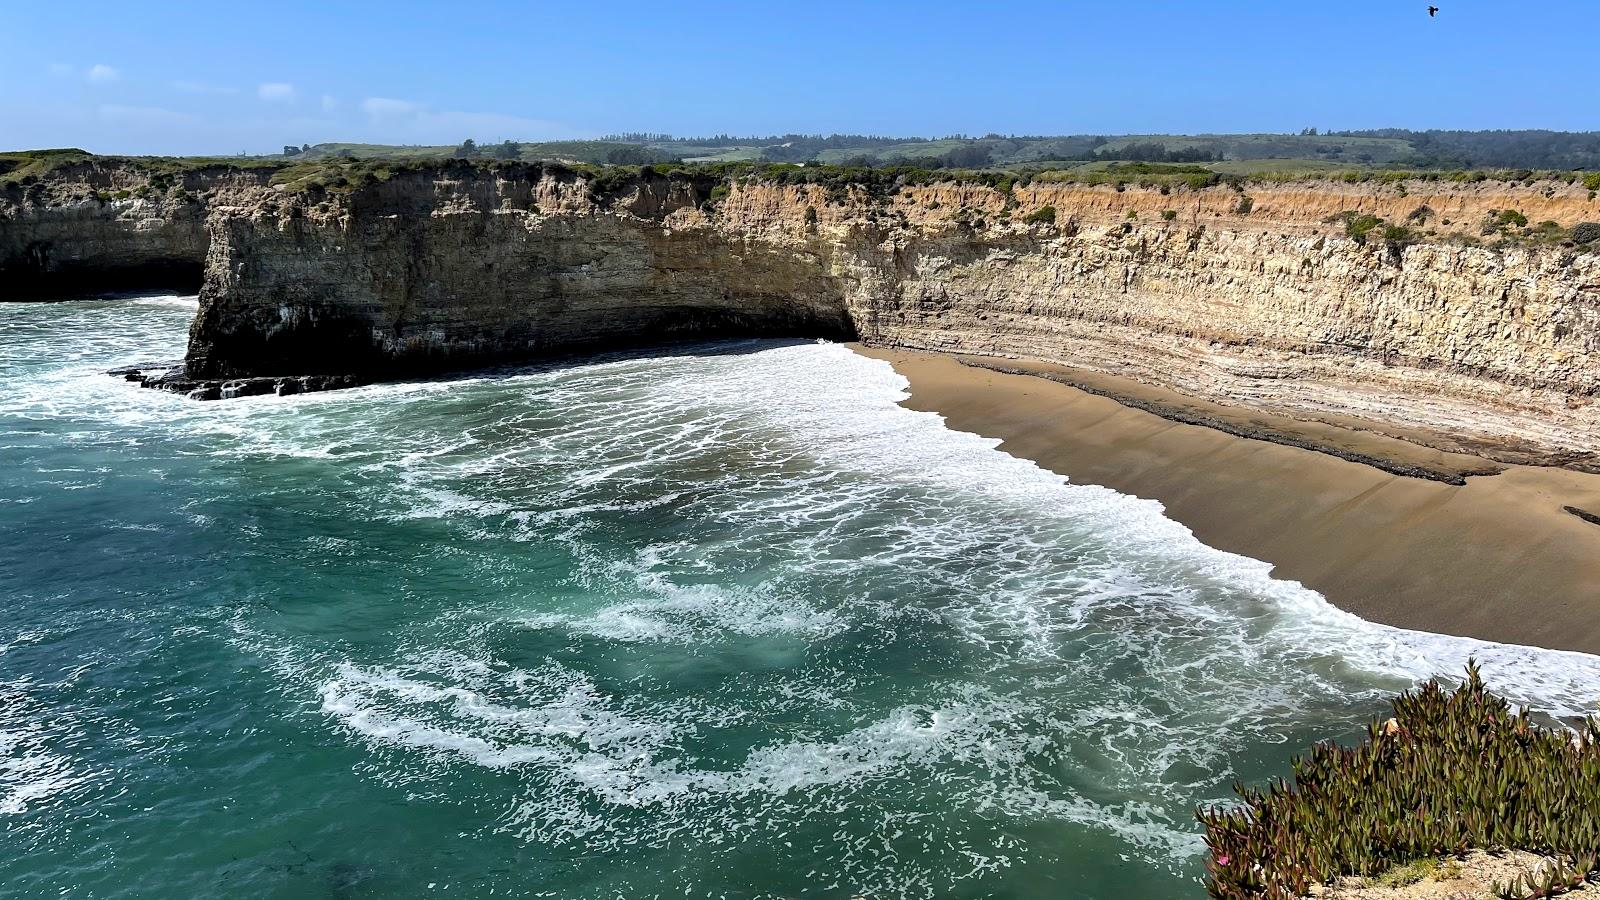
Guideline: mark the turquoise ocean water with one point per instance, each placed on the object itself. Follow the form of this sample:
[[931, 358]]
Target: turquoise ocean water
[[724, 622]]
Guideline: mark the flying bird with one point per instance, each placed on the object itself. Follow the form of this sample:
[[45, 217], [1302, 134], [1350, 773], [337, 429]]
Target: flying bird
[[1433, 11]]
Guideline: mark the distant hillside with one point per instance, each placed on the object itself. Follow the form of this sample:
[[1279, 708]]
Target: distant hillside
[[1309, 150]]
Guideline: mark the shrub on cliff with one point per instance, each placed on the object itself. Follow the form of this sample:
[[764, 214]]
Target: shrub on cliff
[[605, 182], [1044, 215], [1358, 225], [1512, 217], [1167, 215], [1586, 233], [1398, 236], [1452, 770], [1496, 221], [1243, 207], [1549, 231], [1592, 181]]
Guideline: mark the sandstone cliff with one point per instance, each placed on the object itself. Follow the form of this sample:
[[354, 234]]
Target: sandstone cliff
[[438, 269], [1253, 295], [1265, 304], [110, 225]]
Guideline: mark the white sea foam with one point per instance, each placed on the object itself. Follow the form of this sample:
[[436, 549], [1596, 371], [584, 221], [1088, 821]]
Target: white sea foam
[[842, 409], [784, 598], [1098, 633], [588, 745], [187, 302], [695, 613], [32, 767]]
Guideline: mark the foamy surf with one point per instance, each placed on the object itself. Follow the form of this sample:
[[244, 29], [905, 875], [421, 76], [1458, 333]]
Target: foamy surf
[[670, 622], [846, 416], [823, 459]]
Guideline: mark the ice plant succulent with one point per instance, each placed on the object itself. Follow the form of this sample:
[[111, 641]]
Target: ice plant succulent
[[1452, 770]]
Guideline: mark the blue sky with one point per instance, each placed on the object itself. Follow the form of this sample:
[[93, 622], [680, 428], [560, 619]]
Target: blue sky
[[217, 77]]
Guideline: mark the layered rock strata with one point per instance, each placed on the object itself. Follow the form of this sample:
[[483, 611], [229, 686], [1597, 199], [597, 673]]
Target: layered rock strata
[[442, 269], [111, 225], [1256, 295], [1269, 303]]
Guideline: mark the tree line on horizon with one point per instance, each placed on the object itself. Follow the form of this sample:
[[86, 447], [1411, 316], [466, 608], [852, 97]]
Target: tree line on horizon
[[1389, 147], [1431, 148]]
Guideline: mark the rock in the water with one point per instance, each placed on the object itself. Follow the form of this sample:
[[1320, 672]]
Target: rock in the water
[[173, 377]]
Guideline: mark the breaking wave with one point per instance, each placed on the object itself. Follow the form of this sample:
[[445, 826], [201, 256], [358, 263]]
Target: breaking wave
[[665, 619]]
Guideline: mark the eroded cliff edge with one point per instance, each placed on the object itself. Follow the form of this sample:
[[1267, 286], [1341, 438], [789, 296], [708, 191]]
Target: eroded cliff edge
[[1269, 304], [105, 224], [450, 267]]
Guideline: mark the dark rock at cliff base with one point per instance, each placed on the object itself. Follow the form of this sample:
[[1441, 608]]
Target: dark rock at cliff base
[[174, 378]]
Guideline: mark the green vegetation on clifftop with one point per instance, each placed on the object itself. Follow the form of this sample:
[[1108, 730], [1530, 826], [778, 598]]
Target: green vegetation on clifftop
[[1453, 770], [27, 168], [344, 166]]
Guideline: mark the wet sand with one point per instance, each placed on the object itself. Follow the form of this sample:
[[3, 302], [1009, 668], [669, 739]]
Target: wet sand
[[1491, 556]]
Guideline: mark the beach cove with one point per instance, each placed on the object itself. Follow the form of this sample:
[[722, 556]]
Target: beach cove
[[1499, 557]]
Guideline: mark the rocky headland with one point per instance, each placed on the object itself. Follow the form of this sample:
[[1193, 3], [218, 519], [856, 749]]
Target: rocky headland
[[1405, 329], [1386, 387], [90, 225], [1260, 295]]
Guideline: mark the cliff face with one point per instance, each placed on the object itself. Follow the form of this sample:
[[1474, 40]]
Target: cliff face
[[109, 225], [1265, 304], [1500, 349], [426, 272], [1253, 297]]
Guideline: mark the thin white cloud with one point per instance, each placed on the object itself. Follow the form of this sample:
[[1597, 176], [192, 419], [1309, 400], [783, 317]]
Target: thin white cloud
[[329, 103], [200, 87], [276, 91], [383, 107], [100, 73]]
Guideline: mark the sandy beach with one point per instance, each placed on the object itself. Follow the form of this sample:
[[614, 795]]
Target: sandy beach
[[1492, 556]]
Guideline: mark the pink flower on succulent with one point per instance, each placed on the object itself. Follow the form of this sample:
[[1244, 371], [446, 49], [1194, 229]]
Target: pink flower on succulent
[[1224, 859]]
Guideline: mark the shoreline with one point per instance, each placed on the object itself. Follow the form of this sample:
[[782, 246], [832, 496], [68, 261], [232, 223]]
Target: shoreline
[[1443, 548]]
